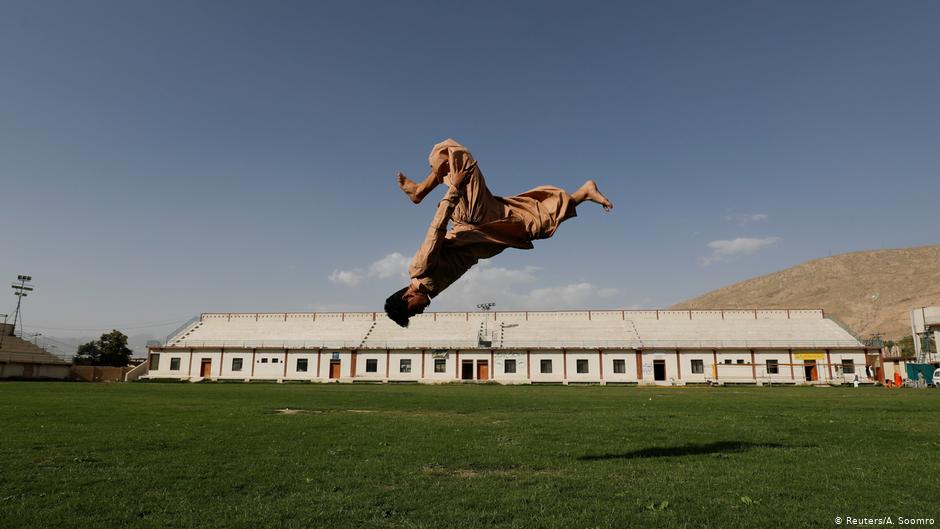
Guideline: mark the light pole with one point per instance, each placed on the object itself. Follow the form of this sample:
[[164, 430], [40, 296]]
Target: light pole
[[485, 307], [4, 333], [20, 291]]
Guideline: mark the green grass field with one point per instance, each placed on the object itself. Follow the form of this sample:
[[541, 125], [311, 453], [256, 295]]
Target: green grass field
[[218, 455]]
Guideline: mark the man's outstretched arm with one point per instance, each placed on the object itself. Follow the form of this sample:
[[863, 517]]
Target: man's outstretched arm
[[426, 256]]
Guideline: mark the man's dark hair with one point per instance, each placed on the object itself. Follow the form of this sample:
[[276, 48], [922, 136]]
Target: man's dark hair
[[397, 308]]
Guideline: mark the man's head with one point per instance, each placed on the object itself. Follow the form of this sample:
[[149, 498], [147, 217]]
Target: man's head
[[405, 303]]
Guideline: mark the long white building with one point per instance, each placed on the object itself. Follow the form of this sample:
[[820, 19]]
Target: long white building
[[667, 347]]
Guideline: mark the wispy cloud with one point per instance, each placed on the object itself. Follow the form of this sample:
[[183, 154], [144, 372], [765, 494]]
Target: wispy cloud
[[743, 219], [509, 288], [723, 250], [501, 285], [392, 265], [349, 278]]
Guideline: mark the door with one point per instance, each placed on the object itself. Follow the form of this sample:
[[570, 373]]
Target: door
[[659, 370], [334, 368], [483, 370], [205, 369], [809, 370], [466, 370]]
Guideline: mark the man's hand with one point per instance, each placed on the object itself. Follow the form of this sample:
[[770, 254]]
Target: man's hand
[[459, 178]]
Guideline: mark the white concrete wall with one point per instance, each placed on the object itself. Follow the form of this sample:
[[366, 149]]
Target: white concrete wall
[[395, 359], [739, 370], [557, 374], [629, 358], [269, 364], [227, 361], [520, 376], [593, 361], [292, 372], [669, 357], [362, 365], [686, 358], [449, 373], [783, 375]]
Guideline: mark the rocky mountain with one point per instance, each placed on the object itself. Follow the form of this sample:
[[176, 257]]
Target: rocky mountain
[[872, 291]]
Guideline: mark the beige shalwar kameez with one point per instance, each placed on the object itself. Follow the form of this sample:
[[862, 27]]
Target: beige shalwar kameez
[[483, 224]]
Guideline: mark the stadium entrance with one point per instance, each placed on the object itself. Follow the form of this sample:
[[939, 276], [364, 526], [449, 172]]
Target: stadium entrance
[[809, 370], [483, 370], [659, 370], [466, 370]]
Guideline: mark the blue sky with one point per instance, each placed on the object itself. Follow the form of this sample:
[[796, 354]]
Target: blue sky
[[160, 159]]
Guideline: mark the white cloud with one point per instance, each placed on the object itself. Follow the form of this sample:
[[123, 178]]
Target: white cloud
[[487, 283], [484, 283], [349, 278], [743, 219], [725, 249], [391, 265]]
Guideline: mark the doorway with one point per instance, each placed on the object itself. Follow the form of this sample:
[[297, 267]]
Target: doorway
[[334, 368], [205, 369], [809, 370], [466, 370], [659, 370], [483, 370]]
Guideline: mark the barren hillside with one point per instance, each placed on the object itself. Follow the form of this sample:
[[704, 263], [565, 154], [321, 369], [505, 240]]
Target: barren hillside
[[870, 291]]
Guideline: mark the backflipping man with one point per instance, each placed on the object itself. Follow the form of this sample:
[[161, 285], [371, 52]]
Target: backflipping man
[[483, 224]]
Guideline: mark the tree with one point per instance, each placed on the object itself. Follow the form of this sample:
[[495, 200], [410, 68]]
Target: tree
[[109, 350]]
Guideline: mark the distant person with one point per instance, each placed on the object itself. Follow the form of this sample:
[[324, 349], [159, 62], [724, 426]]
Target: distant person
[[483, 224]]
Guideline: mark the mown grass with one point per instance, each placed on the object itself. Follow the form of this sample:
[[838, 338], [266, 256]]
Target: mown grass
[[218, 455]]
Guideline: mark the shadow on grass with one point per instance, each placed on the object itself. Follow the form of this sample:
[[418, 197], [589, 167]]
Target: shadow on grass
[[686, 450]]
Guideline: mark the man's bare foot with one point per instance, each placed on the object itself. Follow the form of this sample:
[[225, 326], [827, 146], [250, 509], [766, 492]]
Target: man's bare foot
[[409, 187], [590, 192]]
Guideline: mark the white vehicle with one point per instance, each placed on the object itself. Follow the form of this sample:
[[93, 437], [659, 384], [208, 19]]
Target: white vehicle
[[936, 378]]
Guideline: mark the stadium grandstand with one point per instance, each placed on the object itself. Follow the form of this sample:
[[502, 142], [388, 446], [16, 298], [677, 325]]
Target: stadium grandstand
[[666, 347], [22, 359]]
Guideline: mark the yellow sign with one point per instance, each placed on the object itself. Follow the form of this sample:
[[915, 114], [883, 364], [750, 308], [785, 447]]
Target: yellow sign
[[809, 355]]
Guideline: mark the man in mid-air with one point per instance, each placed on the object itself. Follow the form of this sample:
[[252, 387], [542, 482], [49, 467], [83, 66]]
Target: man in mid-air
[[483, 224]]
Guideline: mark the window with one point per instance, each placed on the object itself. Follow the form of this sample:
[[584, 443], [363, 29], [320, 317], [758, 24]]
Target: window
[[175, 364], [773, 367], [440, 365], [727, 361], [582, 365], [237, 364], [404, 366], [301, 365], [275, 360], [155, 361], [848, 366], [698, 366], [546, 365], [264, 360], [620, 366], [740, 361], [372, 365], [509, 366]]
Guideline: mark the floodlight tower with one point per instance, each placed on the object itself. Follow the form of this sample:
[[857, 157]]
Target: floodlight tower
[[485, 307], [20, 291]]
